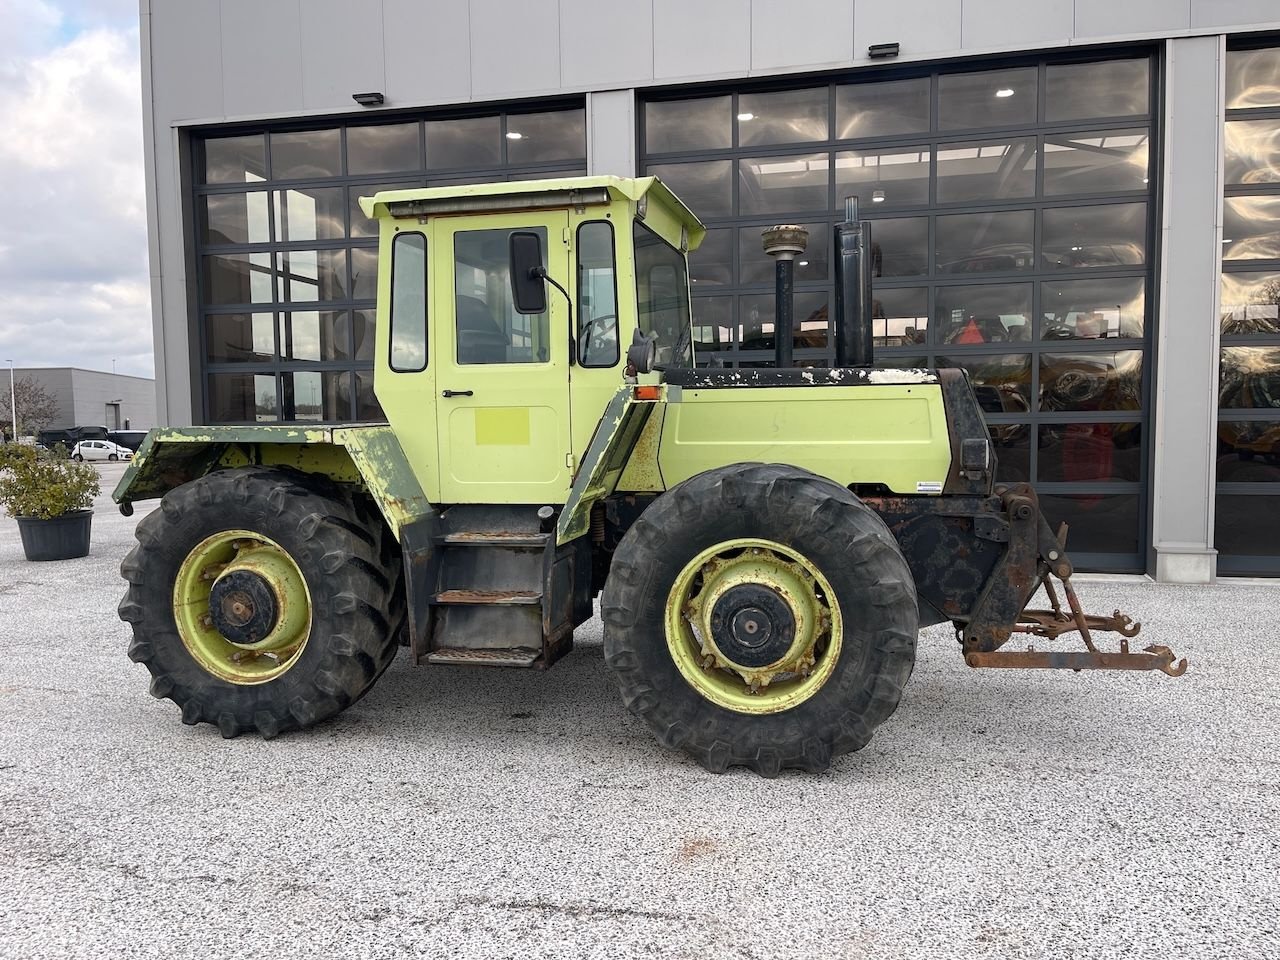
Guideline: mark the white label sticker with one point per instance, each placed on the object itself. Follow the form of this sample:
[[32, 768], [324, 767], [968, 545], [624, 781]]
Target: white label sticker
[[928, 486]]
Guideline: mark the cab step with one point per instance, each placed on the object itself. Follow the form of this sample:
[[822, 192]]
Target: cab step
[[488, 597], [494, 538], [491, 657]]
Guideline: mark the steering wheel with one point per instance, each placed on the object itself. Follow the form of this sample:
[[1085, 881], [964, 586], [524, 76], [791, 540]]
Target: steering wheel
[[595, 335]]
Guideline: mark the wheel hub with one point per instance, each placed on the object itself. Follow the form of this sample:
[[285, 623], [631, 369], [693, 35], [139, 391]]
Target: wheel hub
[[752, 625], [243, 606]]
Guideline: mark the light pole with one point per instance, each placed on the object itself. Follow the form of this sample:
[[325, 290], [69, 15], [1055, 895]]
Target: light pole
[[13, 402]]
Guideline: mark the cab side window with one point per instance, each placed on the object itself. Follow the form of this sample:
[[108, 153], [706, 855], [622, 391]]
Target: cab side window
[[489, 330], [597, 296], [409, 303]]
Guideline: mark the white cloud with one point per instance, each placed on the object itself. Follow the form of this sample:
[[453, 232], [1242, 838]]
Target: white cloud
[[73, 274]]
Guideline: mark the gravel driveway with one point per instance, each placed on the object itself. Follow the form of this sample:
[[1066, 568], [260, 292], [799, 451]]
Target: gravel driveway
[[490, 813]]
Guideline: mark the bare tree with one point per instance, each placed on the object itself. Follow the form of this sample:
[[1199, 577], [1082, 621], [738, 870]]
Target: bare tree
[[37, 407]]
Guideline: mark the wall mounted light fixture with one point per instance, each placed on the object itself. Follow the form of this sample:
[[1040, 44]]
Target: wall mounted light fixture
[[368, 99], [882, 51]]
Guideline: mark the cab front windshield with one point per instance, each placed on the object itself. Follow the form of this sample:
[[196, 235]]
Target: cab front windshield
[[662, 298]]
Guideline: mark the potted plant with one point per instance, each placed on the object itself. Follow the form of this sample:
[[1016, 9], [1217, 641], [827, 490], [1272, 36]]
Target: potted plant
[[51, 499]]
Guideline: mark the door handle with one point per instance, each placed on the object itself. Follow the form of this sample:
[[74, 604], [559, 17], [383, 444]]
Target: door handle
[[457, 393]]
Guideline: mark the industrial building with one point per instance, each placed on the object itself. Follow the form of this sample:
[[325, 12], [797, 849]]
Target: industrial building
[[1076, 200], [92, 398]]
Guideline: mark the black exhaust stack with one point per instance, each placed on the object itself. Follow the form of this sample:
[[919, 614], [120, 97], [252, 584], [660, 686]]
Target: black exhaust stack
[[854, 347], [784, 243]]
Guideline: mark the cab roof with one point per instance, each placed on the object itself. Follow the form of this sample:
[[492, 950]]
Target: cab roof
[[529, 195]]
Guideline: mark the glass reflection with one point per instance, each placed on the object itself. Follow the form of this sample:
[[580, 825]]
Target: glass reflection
[[1092, 309], [756, 321], [900, 247], [362, 226], [364, 273], [705, 187], [469, 142], [368, 410], [383, 149], [311, 153], [784, 116], [314, 335], [314, 275], [316, 396], [899, 316], [238, 278], [1249, 451], [235, 159], [712, 263], [1091, 381], [984, 242], [996, 170], [1251, 228], [237, 218], [1246, 526], [1098, 523], [782, 184], [676, 125], [883, 179], [1095, 162], [712, 327], [1109, 88], [1096, 236], [1252, 151], [1250, 378], [1253, 78], [983, 313], [240, 338], [1083, 452], [882, 109], [1013, 451], [540, 137], [312, 213], [758, 266], [362, 331], [1001, 383], [1250, 303], [992, 98], [242, 397]]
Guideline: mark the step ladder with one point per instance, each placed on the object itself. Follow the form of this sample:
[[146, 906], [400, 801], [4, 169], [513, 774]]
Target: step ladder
[[487, 581]]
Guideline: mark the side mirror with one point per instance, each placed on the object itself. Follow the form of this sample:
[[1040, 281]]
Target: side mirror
[[643, 351], [527, 272]]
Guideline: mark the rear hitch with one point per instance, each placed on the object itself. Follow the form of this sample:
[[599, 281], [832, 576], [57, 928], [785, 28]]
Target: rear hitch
[[1037, 556]]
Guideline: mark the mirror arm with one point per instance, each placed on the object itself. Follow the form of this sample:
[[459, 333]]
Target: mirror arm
[[541, 272]]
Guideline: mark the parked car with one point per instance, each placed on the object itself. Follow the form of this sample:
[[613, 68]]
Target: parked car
[[100, 450], [127, 438]]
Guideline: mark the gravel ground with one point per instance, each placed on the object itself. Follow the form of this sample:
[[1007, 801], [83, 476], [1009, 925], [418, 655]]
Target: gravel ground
[[499, 813]]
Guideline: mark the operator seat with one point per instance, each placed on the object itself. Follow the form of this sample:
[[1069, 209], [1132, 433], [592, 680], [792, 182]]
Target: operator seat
[[479, 339]]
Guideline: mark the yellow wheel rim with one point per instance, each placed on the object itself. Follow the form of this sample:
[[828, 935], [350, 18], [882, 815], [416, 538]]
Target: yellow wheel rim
[[753, 626], [205, 615]]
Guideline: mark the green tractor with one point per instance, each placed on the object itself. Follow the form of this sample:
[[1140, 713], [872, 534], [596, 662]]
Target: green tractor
[[765, 543]]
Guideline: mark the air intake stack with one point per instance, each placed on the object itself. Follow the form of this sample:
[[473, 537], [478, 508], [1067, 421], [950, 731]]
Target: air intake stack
[[784, 243]]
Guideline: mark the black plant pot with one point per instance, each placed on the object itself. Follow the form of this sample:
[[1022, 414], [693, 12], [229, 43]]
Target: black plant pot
[[59, 538]]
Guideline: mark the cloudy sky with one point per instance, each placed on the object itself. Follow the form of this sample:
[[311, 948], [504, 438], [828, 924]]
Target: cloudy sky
[[73, 252]]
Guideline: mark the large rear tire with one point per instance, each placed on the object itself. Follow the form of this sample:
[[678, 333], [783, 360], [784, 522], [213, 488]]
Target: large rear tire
[[262, 599], [762, 616]]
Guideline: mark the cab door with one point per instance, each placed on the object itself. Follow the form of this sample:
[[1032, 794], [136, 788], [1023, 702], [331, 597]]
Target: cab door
[[503, 377]]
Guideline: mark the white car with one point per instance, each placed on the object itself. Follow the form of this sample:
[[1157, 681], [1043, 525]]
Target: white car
[[100, 450]]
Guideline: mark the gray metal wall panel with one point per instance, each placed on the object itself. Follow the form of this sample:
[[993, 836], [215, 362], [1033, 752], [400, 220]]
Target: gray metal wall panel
[[1187, 342], [57, 382], [1100, 18], [428, 52], [91, 390], [708, 38], [261, 57], [1009, 23], [918, 26], [611, 133], [590, 57], [186, 51], [800, 32], [515, 49], [339, 62], [1234, 13]]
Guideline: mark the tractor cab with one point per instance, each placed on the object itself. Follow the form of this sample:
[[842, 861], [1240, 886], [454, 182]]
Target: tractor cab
[[506, 311]]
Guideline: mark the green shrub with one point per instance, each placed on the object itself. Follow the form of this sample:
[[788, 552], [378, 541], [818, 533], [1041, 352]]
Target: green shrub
[[35, 486]]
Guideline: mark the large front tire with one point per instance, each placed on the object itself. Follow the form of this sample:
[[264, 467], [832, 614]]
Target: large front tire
[[302, 632], [762, 616]]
